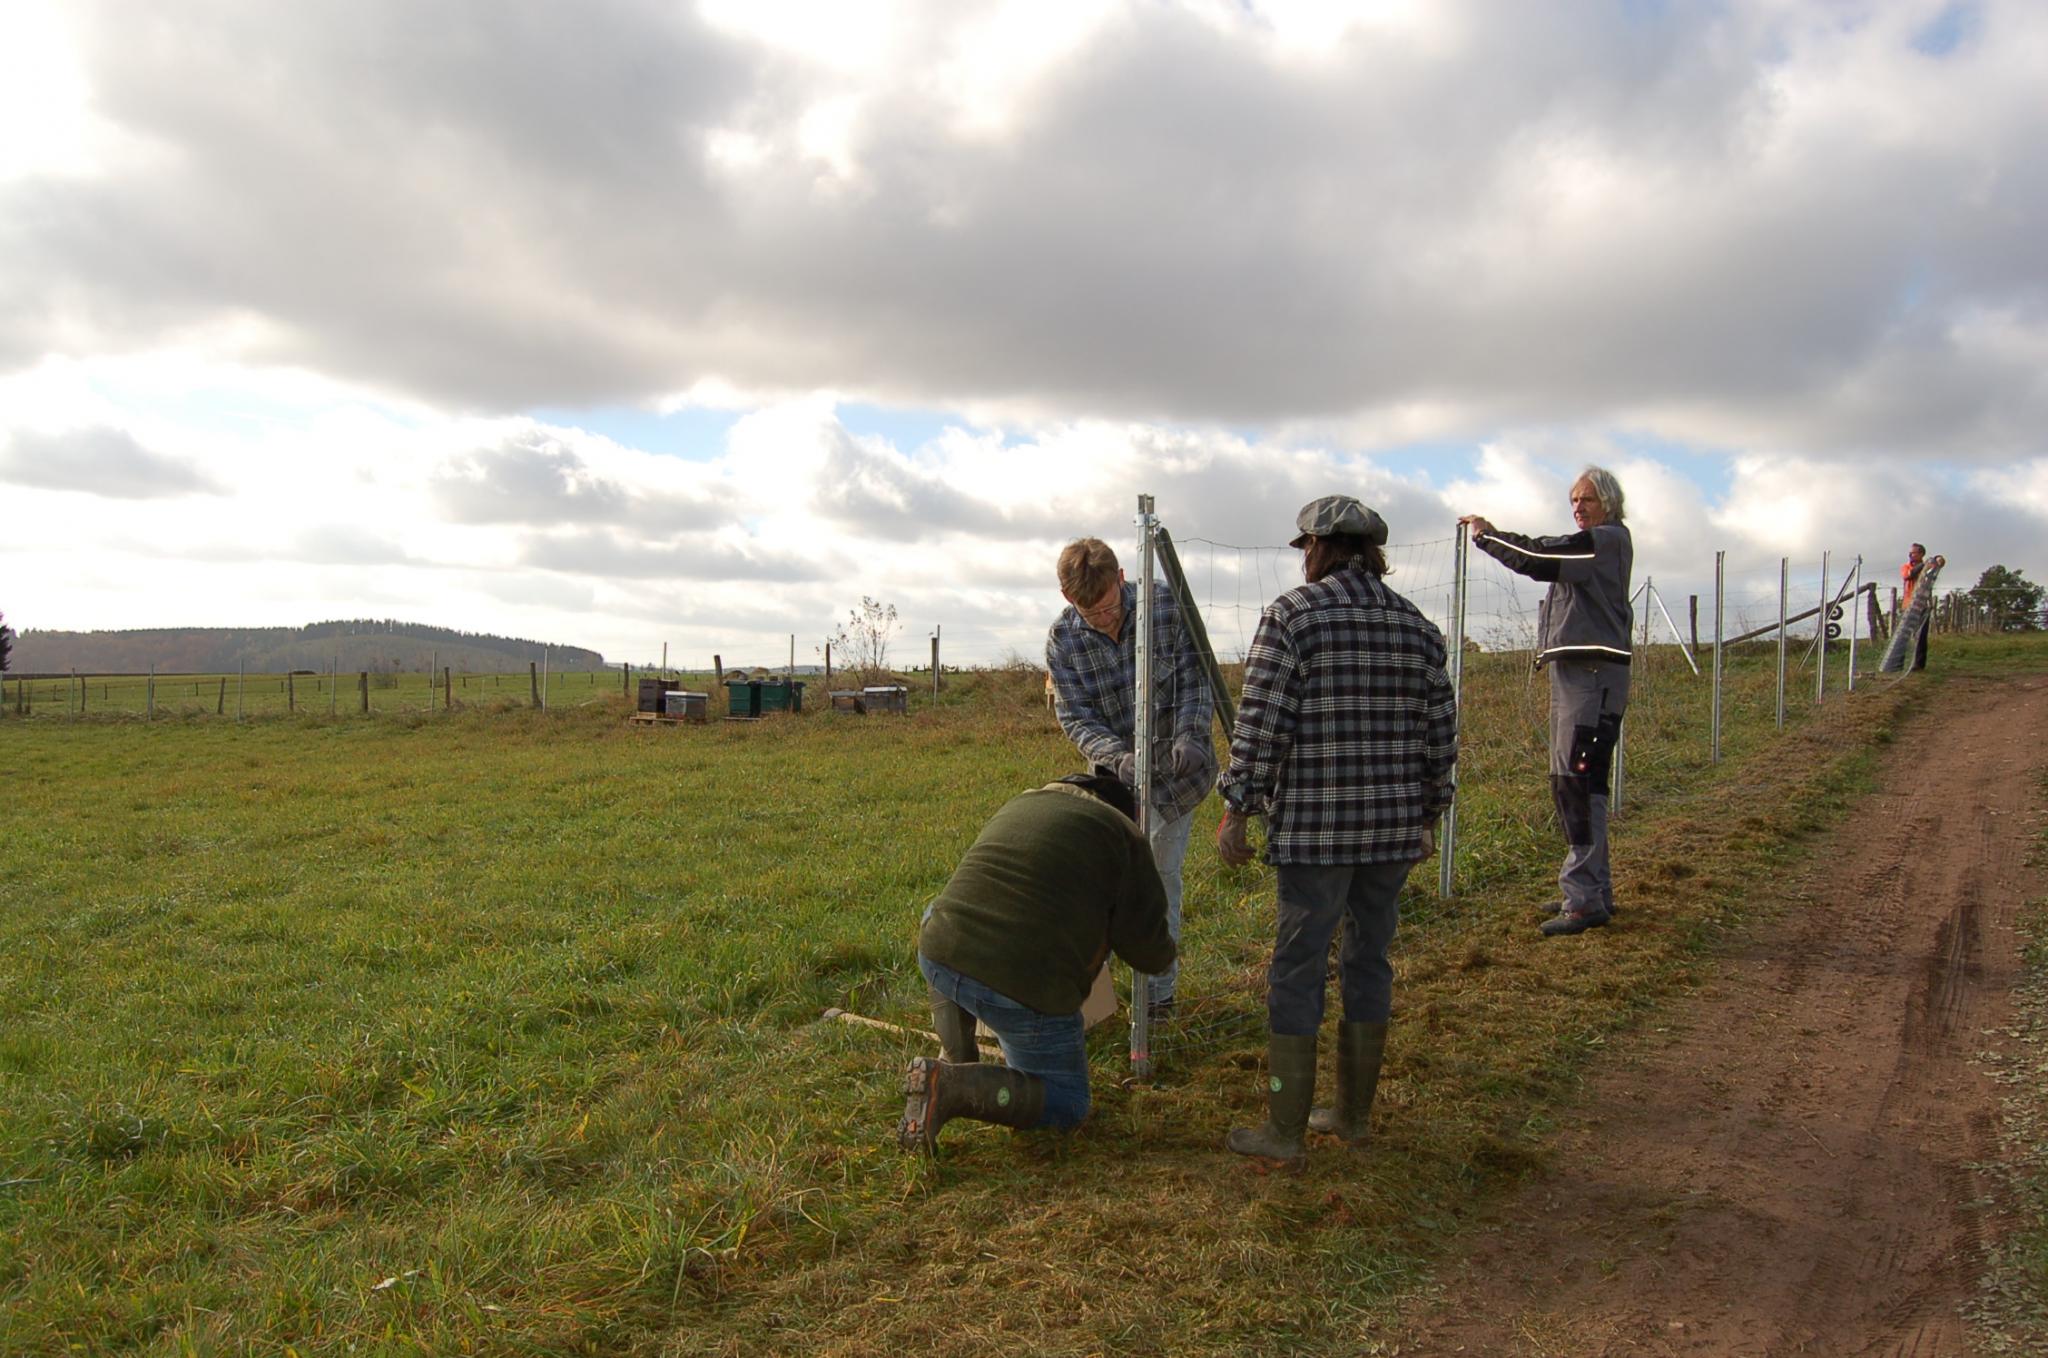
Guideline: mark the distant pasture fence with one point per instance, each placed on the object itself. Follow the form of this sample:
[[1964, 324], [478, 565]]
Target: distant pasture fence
[[241, 694]]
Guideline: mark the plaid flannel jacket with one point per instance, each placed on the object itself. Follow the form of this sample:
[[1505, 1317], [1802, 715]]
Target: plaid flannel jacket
[[1347, 735], [1095, 684]]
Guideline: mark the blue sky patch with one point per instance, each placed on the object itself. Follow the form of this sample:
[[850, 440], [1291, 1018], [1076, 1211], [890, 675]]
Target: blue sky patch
[[693, 434], [907, 430], [1948, 30]]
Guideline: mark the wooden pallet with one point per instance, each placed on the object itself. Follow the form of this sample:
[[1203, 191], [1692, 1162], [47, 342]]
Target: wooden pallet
[[663, 719]]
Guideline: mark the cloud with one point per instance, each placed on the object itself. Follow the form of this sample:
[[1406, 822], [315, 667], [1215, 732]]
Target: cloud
[[1732, 224], [1777, 266], [606, 555], [101, 461], [532, 478]]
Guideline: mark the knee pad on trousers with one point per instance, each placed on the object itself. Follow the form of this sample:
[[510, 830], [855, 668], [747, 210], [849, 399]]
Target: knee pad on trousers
[[1574, 797], [1592, 751]]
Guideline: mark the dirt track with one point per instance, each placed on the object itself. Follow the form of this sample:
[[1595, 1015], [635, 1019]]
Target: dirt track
[[1784, 1165]]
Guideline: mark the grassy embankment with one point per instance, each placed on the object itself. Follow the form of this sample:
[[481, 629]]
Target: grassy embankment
[[496, 1032], [2010, 1314]]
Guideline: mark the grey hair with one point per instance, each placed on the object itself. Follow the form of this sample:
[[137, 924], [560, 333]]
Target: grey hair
[[1607, 488]]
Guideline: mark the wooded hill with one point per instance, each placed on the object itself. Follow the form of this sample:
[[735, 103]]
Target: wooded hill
[[376, 644]]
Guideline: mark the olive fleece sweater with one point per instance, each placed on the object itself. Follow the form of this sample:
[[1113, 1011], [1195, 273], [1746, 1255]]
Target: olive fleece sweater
[[1055, 881]]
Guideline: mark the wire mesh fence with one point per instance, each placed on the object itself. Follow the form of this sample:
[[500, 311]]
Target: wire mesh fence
[[1751, 651]]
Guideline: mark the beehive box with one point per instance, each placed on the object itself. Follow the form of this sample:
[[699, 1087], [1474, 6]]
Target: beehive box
[[886, 698]]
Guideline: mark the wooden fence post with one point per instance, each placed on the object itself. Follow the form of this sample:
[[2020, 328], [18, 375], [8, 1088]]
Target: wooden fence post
[[626, 678], [447, 688], [718, 669], [1694, 609], [828, 670], [220, 701], [363, 686], [291, 693], [533, 679]]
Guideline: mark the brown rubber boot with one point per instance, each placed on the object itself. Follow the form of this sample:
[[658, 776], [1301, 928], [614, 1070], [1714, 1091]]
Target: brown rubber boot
[[1360, 1049], [938, 1091], [955, 1027], [1290, 1088]]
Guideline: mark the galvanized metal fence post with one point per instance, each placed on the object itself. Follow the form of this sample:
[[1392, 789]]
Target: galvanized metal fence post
[[1856, 588], [1141, 985], [1447, 844], [1637, 662], [1720, 570], [1820, 640], [1784, 585]]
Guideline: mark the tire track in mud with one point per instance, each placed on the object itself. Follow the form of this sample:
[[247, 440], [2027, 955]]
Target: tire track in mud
[[1790, 1171]]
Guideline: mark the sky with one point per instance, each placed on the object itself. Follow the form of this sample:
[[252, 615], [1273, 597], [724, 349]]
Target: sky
[[628, 324]]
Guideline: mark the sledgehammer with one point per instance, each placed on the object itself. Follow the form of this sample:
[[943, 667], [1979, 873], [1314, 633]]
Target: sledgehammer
[[858, 1020]]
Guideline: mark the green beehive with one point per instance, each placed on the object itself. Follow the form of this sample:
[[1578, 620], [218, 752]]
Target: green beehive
[[742, 697], [781, 695]]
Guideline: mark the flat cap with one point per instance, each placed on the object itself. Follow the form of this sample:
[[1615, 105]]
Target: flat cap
[[1332, 514]]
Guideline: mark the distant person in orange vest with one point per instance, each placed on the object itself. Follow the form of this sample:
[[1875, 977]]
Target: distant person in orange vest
[[1909, 576]]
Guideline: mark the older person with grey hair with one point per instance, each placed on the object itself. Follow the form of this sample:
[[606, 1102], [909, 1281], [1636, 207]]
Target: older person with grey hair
[[1582, 638]]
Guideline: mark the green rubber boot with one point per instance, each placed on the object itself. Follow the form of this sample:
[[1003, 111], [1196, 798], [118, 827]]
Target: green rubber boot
[[955, 1027], [1360, 1048], [1291, 1087], [936, 1092]]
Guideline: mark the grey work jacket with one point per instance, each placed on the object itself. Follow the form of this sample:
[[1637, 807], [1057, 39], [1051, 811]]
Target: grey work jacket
[[1587, 614]]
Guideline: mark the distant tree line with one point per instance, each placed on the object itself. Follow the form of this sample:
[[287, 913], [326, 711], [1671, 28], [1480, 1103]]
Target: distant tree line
[[2009, 599]]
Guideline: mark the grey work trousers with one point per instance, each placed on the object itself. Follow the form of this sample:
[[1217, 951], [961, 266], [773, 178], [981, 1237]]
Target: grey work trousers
[[1587, 701]]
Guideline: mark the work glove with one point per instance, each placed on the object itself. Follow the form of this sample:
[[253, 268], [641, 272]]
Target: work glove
[[1232, 844], [1126, 767], [1189, 753]]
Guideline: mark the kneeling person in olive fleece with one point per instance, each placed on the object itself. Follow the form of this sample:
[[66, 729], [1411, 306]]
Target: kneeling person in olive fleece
[[1058, 879]]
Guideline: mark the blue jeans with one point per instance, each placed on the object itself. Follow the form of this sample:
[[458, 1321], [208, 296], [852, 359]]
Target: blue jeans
[[1313, 900], [1169, 851], [1046, 1045]]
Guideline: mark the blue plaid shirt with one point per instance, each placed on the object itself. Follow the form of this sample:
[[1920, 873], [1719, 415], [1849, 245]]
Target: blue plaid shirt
[[1095, 683], [1347, 734]]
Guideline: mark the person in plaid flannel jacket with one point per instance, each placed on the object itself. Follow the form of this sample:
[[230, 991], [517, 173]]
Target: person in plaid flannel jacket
[[1091, 659], [1346, 741]]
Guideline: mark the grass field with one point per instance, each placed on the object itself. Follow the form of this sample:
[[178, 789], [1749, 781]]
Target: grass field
[[495, 1031]]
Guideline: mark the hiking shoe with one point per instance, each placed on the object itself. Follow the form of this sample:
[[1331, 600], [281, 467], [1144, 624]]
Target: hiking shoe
[[1557, 908], [1573, 922]]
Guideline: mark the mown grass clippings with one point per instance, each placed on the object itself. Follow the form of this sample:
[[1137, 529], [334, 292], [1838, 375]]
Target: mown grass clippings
[[497, 1033]]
